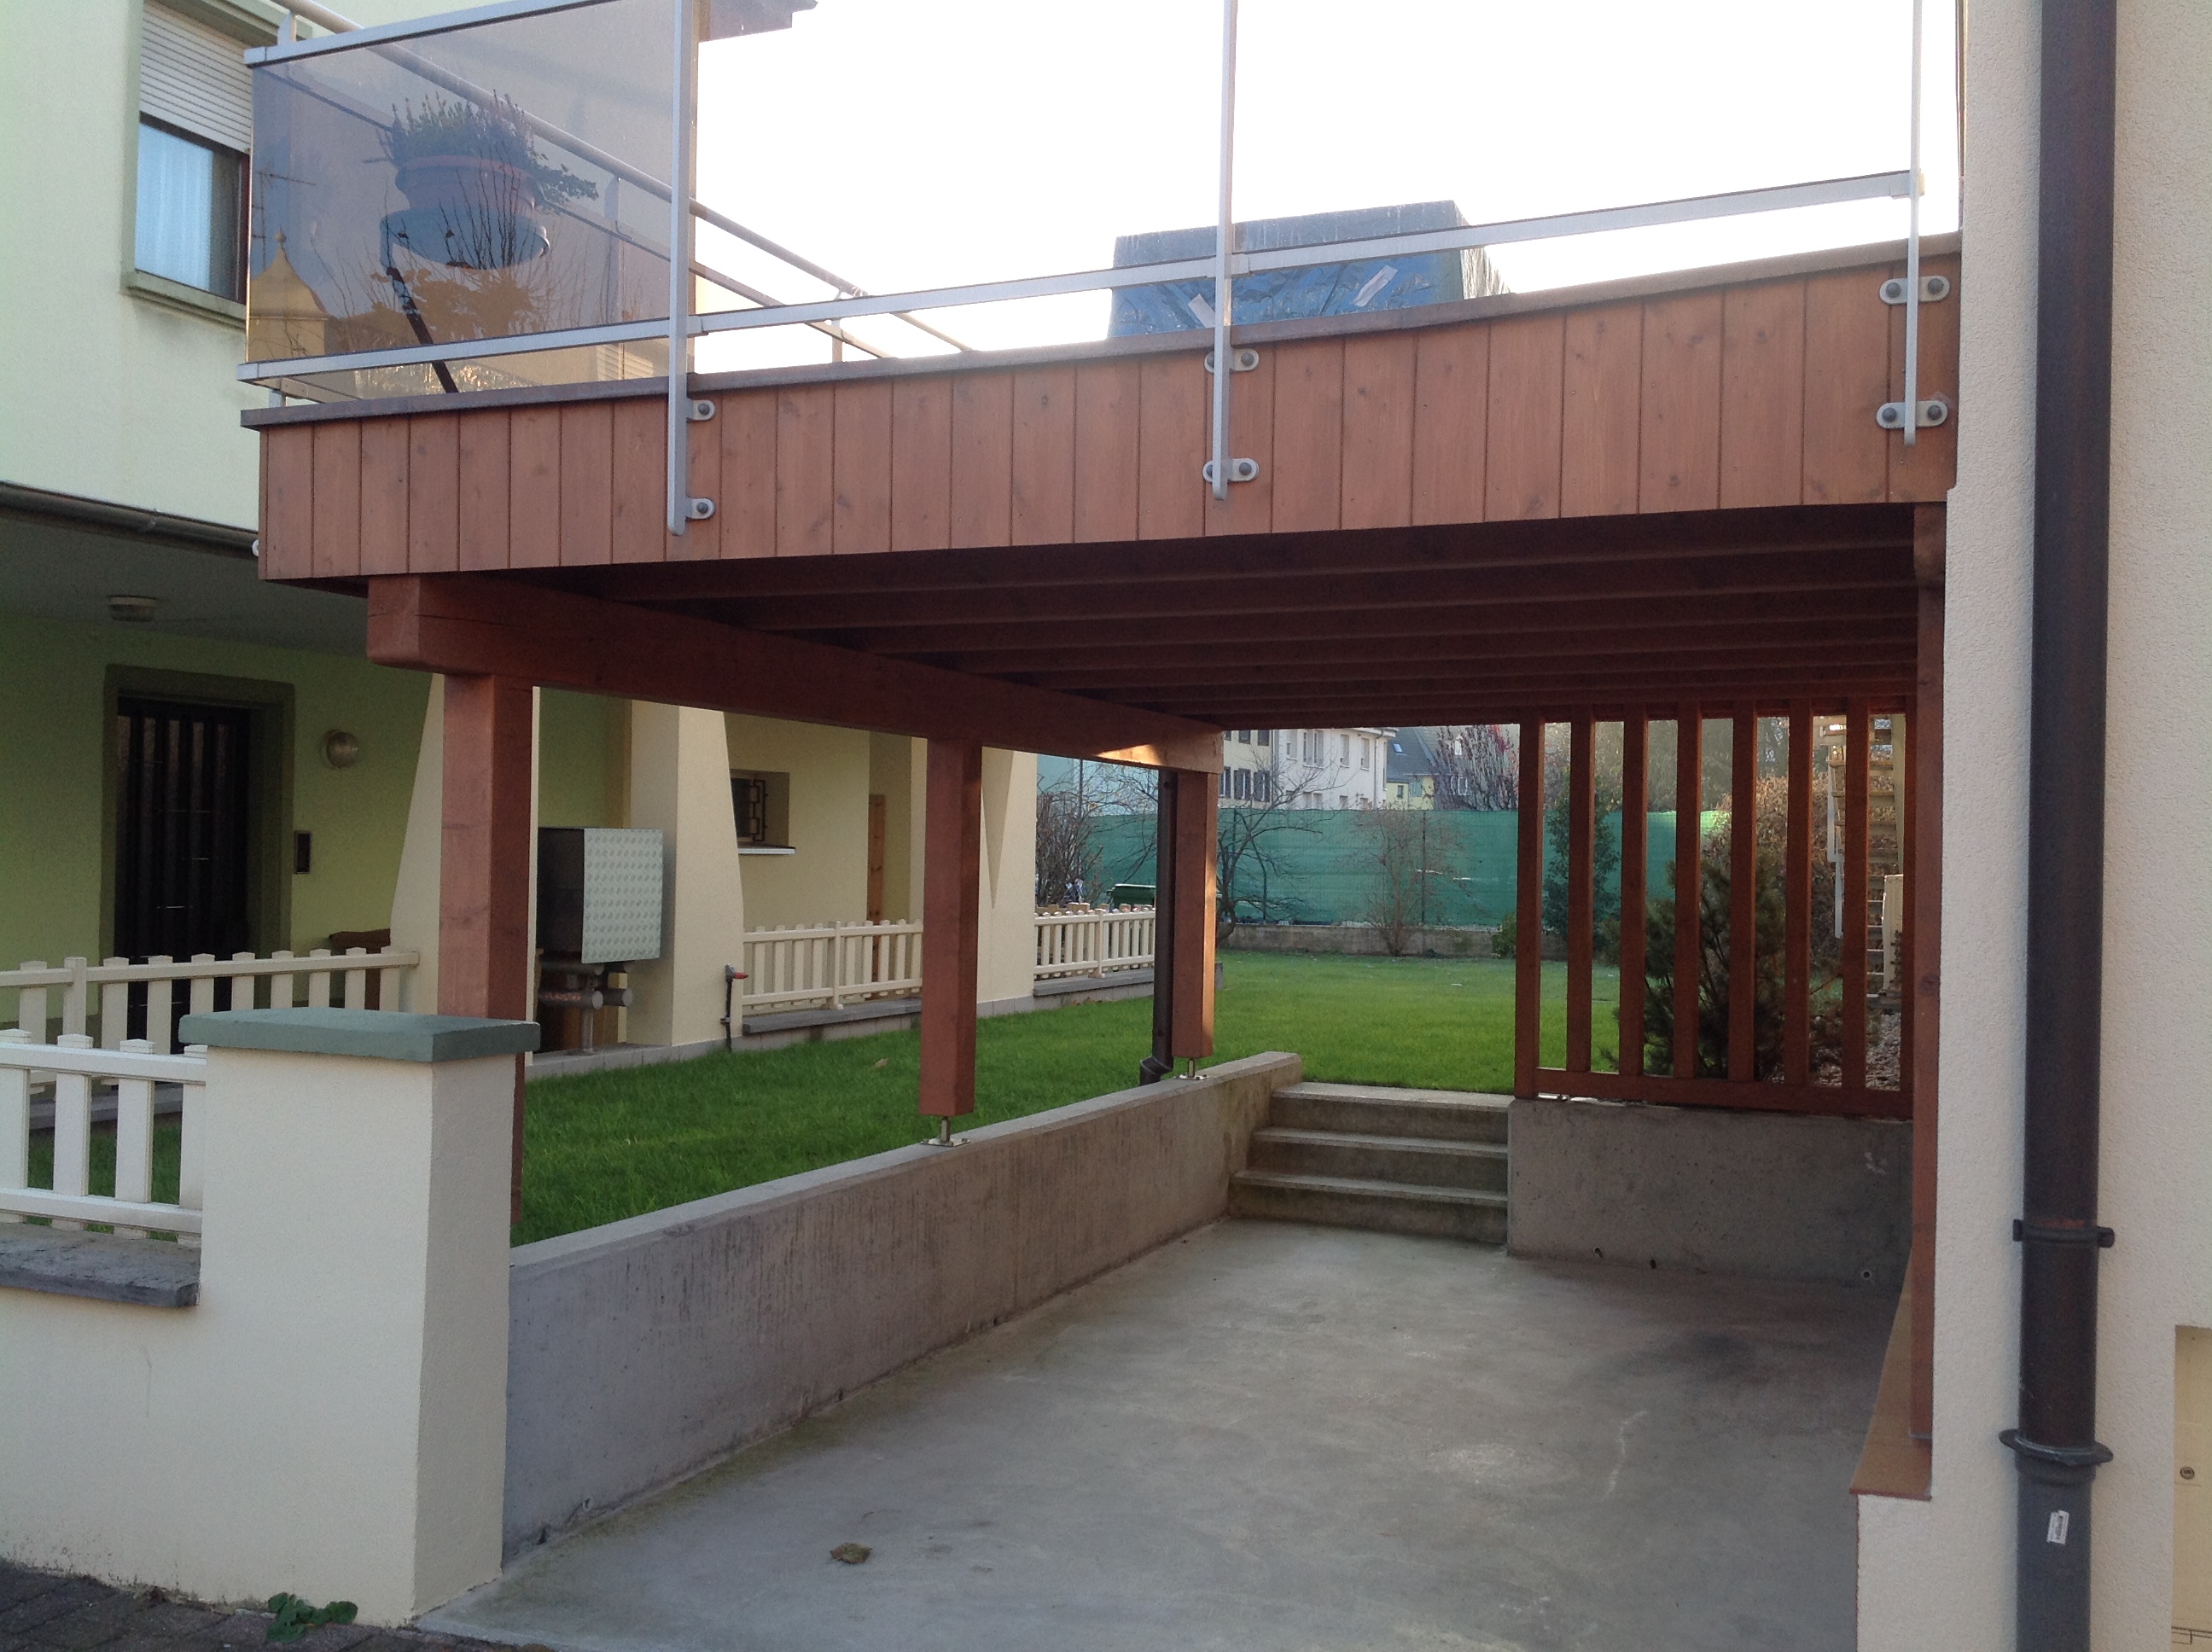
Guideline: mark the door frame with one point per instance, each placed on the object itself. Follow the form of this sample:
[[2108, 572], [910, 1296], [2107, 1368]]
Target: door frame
[[269, 788]]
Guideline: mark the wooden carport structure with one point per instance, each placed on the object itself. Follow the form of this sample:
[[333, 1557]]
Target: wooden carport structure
[[1669, 498]]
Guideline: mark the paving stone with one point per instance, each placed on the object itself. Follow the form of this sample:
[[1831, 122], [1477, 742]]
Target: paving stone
[[94, 1624], [45, 1611], [19, 1584], [69, 1595]]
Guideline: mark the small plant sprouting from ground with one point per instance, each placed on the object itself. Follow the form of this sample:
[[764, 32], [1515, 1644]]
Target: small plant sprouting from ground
[[295, 1617]]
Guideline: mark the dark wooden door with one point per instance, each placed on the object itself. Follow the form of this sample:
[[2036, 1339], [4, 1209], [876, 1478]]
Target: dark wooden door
[[183, 798]]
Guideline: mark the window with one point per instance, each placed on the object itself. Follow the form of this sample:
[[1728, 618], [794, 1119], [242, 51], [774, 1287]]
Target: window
[[1224, 782], [1243, 789], [762, 804], [1344, 750], [1263, 786], [196, 125], [191, 194], [1244, 737], [1263, 734], [1366, 746]]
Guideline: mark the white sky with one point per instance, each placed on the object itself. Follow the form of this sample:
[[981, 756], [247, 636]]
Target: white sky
[[907, 145]]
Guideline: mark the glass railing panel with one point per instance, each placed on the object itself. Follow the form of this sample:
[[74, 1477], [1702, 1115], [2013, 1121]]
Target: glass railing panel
[[479, 183]]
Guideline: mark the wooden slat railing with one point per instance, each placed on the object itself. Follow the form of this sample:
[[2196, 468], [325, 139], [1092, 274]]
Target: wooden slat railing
[[830, 965], [1083, 940], [1749, 1066]]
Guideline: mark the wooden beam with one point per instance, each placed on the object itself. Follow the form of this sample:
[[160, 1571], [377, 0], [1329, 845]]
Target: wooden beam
[[1689, 829], [1661, 677], [1923, 932], [1635, 854], [1341, 590], [469, 624], [1529, 912], [1196, 801], [952, 925], [483, 866], [1403, 626], [1853, 942], [1743, 896], [1582, 885], [1797, 903]]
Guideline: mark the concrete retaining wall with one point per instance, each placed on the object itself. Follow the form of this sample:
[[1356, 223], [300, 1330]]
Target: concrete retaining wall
[[646, 1349], [1360, 940], [1767, 1193]]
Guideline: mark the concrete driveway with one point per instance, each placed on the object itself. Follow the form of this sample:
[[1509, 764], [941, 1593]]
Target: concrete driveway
[[1300, 1439]]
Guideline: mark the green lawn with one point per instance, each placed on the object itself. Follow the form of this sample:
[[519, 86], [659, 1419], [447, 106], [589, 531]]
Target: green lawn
[[602, 1146]]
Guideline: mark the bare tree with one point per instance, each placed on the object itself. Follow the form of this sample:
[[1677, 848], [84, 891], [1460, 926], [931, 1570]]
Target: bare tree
[[1070, 856], [1402, 860], [1477, 766]]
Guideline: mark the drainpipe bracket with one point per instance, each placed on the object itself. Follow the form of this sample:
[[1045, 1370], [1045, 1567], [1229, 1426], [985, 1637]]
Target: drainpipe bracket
[[1244, 361], [1933, 290], [1890, 416], [2090, 1456], [2049, 1234], [1240, 470]]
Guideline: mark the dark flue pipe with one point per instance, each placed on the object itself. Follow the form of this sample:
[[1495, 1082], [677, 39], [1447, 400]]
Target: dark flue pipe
[[1161, 1062], [2055, 1445]]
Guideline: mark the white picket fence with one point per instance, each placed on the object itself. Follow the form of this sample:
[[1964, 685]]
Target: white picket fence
[[75, 1067], [76, 981], [801, 966], [1093, 941]]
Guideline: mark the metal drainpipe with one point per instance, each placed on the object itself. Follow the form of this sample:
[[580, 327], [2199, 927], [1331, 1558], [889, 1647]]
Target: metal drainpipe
[[2055, 1446], [1161, 1062]]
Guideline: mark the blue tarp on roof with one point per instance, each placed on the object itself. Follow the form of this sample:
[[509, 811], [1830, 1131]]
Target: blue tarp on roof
[[1353, 288]]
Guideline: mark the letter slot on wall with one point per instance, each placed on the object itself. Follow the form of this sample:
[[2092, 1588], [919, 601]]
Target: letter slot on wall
[[598, 894]]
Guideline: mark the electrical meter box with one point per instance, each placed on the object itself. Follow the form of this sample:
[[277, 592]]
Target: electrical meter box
[[599, 894]]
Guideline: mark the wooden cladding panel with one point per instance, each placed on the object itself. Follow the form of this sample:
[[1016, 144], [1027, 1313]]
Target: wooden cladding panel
[[1309, 435], [533, 488], [981, 488], [1521, 479], [1680, 434], [1601, 411], [745, 430], [1451, 424], [861, 467], [385, 457], [1171, 441], [1761, 394], [1379, 379], [1106, 398], [806, 480], [922, 463]]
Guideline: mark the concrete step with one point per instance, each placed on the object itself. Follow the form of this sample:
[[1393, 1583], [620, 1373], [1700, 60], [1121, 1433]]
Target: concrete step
[[1357, 1202], [1408, 1161], [1376, 1110]]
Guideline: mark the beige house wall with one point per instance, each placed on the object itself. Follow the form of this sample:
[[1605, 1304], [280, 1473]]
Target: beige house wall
[[1940, 1573]]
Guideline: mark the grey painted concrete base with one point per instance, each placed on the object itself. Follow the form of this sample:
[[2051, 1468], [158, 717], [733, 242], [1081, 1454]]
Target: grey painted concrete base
[[1286, 1439], [1769, 1194]]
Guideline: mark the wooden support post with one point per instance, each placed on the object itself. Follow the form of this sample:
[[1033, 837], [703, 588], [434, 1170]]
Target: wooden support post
[[1854, 943], [1689, 833], [1797, 903], [1197, 803], [484, 868], [1581, 890], [1160, 1061], [1924, 935], [952, 925], [1635, 851], [1743, 896], [1529, 913]]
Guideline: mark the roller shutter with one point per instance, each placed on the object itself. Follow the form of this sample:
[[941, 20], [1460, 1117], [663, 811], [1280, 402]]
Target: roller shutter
[[195, 78]]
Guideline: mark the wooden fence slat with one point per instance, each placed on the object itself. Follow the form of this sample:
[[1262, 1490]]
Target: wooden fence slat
[[1635, 851], [1854, 943], [1847, 381], [287, 501], [1827, 1101], [1601, 411], [533, 487], [805, 479], [434, 494], [335, 507], [384, 448], [1925, 471], [587, 484], [921, 464], [485, 497], [746, 426], [1250, 506], [1689, 804], [1923, 926], [1743, 896], [1763, 395], [1797, 903], [637, 503], [1527, 913], [1582, 833]]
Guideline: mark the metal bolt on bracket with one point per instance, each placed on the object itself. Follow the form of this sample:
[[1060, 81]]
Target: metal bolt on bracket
[[1933, 290], [1891, 415], [1240, 470], [1244, 361], [699, 510], [702, 410]]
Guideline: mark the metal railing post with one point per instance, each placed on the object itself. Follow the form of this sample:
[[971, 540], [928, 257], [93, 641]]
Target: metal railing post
[[1224, 234], [1912, 256], [682, 508]]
